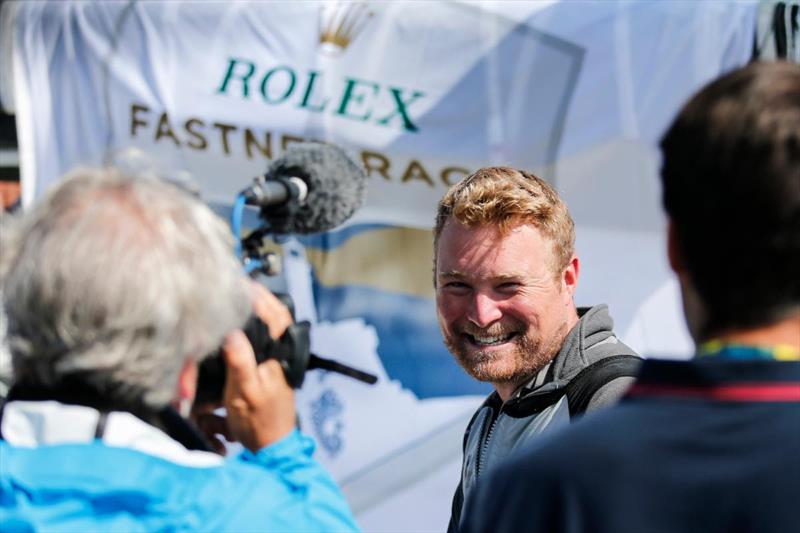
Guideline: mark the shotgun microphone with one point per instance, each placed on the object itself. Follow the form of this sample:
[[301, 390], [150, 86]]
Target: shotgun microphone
[[313, 187]]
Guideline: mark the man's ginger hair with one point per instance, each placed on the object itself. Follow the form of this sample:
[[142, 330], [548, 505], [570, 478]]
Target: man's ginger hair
[[506, 198]]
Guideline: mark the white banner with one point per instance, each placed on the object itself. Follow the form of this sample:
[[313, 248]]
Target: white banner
[[424, 93]]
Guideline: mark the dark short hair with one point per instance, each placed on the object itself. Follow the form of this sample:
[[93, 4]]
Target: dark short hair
[[731, 186]]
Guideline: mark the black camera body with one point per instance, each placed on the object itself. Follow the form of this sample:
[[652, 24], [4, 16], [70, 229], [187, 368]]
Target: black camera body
[[292, 351]]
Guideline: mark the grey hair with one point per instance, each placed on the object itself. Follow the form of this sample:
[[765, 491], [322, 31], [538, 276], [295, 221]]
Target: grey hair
[[116, 280]]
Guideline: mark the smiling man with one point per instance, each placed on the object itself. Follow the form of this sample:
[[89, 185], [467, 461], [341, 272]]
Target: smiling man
[[505, 273]]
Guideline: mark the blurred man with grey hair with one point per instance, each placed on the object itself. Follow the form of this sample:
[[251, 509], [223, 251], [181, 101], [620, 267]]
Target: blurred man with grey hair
[[114, 288]]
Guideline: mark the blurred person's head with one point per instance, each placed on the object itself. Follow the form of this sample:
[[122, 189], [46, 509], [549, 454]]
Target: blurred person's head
[[505, 273], [731, 179], [118, 284]]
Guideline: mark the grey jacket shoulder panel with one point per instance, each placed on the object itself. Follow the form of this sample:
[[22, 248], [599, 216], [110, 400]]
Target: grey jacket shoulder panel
[[591, 340]]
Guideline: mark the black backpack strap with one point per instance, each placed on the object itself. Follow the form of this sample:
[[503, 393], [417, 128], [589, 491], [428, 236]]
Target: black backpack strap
[[582, 388]]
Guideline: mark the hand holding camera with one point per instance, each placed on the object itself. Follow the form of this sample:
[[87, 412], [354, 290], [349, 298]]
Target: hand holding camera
[[258, 400]]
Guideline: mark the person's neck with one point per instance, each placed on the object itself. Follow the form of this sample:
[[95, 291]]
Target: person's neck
[[783, 332], [506, 390]]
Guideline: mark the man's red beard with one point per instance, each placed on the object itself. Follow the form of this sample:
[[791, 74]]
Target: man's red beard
[[522, 356]]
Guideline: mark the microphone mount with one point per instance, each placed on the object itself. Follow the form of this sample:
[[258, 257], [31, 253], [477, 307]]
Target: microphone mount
[[281, 197], [278, 198]]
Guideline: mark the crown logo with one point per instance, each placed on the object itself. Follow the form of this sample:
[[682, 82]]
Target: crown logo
[[340, 25]]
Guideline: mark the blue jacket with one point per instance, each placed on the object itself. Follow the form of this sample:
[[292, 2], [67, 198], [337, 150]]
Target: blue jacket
[[138, 479], [705, 446]]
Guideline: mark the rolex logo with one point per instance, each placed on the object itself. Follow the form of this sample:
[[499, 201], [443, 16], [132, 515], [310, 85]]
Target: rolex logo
[[340, 24]]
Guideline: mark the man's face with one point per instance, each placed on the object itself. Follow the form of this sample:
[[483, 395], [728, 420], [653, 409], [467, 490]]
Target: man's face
[[504, 313]]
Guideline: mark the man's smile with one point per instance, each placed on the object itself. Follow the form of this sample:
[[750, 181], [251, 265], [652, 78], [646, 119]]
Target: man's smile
[[487, 340]]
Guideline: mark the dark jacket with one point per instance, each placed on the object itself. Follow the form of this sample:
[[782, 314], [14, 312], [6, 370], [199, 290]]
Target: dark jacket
[[705, 446], [497, 430]]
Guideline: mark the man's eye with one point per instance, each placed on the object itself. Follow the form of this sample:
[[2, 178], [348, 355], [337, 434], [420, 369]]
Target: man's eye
[[456, 285], [508, 286]]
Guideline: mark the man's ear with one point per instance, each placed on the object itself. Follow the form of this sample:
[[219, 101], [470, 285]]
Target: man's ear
[[674, 254], [187, 381], [693, 308], [569, 276]]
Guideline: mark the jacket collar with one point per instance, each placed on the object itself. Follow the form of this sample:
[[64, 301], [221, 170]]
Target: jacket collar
[[594, 327], [723, 380], [47, 423]]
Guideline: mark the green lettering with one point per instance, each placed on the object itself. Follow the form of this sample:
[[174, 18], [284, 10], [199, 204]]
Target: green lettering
[[289, 88], [351, 96], [305, 103], [251, 68], [401, 108]]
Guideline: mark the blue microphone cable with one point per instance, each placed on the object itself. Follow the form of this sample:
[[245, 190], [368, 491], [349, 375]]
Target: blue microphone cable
[[237, 214]]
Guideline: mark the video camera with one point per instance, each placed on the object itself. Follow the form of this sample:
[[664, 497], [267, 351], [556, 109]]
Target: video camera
[[314, 187]]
